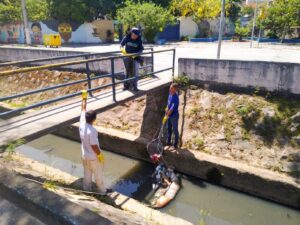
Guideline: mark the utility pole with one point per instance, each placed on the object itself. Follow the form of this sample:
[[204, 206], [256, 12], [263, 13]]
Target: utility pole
[[253, 27], [25, 21], [221, 28]]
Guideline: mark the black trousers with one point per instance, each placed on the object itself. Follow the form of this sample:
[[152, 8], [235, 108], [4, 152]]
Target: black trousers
[[131, 71]]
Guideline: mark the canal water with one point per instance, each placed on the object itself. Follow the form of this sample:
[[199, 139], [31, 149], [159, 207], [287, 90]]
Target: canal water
[[198, 202]]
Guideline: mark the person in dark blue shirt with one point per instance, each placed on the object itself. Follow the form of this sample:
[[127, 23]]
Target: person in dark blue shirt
[[131, 44], [172, 114]]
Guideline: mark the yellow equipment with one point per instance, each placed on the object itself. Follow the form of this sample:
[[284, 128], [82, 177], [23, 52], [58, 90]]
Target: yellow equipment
[[52, 40], [123, 51], [84, 94], [101, 158], [165, 119]]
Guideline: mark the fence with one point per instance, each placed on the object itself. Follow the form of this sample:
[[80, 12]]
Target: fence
[[88, 78]]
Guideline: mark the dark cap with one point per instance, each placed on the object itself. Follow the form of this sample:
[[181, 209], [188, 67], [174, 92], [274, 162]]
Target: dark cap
[[136, 31], [90, 116]]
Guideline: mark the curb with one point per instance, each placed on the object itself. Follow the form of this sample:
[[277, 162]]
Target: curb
[[45, 205]]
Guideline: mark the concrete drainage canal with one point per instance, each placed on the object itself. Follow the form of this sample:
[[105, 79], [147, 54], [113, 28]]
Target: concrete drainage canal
[[198, 202]]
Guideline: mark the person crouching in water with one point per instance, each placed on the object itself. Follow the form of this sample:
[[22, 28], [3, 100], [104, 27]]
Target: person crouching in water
[[132, 44], [164, 178], [92, 157]]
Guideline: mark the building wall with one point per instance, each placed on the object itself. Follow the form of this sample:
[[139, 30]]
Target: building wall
[[188, 27], [170, 33], [98, 31], [271, 76]]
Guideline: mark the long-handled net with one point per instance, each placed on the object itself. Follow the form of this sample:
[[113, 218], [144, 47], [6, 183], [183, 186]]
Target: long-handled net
[[156, 147]]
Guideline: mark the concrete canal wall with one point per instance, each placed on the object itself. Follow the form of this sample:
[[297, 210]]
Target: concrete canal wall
[[67, 206], [270, 76], [239, 176]]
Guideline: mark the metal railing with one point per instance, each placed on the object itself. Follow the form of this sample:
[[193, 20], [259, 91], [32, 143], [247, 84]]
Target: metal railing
[[55, 58], [88, 78]]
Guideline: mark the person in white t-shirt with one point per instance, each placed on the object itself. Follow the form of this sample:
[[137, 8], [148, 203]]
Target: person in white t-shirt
[[92, 157]]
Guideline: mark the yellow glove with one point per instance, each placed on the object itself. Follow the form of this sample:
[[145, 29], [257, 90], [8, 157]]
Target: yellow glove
[[100, 158], [84, 94], [165, 119], [123, 51]]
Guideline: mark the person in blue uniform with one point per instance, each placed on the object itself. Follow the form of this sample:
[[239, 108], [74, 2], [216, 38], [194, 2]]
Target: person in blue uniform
[[172, 115]]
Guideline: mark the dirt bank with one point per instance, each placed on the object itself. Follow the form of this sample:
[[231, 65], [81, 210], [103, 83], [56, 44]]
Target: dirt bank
[[24, 82]]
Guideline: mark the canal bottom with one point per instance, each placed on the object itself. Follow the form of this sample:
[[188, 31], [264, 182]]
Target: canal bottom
[[198, 202]]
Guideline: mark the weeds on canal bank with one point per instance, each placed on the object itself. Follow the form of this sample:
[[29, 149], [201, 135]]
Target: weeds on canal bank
[[49, 184], [10, 148]]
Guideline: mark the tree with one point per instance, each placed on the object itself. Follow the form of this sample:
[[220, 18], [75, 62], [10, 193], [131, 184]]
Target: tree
[[233, 9], [68, 10], [199, 9], [208, 9], [162, 3], [10, 11], [241, 31], [280, 17], [37, 10], [80, 10], [247, 10], [152, 18], [184, 7]]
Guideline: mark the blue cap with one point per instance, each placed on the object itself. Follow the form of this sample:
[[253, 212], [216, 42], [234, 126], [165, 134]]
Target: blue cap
[[136, 31]]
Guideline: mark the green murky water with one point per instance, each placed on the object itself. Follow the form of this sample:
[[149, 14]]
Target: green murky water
[[198, 201]]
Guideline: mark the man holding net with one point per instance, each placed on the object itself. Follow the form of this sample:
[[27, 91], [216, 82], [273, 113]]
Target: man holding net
[[172, 115]]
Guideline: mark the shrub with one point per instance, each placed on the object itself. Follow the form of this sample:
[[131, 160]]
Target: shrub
[[241, 31], [183, 81], [199, 143]]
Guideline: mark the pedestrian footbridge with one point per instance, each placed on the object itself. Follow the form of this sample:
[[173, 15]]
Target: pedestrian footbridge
[[27, 123]]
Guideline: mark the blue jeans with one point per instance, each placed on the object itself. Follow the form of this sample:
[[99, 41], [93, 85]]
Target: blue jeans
[[173, 128]]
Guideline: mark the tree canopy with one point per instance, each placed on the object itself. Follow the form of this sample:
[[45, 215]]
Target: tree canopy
[[152, 18], [37, 10], [10, 11], [280, 17], [233, 9], [79, 10], [87, 10], [205, 9]]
